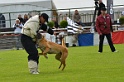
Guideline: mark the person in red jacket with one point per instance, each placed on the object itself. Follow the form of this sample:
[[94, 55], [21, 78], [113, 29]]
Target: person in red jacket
[[104, 28]]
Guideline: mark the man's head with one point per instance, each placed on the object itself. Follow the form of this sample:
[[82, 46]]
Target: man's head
[[103, 10], [17, 21], [76, 12], [44, 18], [19, 16], [44, 27], [100, 1]]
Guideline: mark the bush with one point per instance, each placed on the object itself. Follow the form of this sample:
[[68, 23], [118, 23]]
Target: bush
[[121, 20], [63, 24], [50, 24]]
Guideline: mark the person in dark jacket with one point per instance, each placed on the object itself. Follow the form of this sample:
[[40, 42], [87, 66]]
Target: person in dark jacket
[[25, 18], [104, 28], [101, 5], [20, 18]]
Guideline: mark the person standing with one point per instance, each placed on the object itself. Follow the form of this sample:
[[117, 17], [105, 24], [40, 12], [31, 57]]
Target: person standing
[[55, 23], [17, 31], [101, 5], [104, 28], [28, 39], [25, 18]]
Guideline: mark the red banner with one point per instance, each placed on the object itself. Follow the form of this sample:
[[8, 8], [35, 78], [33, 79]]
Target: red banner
[[118, 37]]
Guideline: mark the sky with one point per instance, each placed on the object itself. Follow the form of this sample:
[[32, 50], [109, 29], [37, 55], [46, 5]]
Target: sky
[[60, 4]]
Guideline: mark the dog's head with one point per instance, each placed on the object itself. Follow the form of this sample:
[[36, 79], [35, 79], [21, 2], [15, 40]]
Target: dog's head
[[39, 36], [41, 40]]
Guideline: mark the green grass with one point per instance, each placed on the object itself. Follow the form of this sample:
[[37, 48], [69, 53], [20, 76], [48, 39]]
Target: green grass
[[84, 64]]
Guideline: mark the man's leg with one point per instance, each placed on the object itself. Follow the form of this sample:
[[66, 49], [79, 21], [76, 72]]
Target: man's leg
[[101, 38], [16, 42], [108, 36], [33, 58]]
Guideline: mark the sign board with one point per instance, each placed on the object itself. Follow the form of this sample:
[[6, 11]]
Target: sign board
[[110, 9]]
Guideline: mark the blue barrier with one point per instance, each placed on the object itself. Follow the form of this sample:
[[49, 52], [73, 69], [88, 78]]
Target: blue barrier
[[85, 39]]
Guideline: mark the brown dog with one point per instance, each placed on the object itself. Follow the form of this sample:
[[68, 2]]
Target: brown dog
[[49, 47]]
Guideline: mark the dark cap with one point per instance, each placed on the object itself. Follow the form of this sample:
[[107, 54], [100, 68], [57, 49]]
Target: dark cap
[[103, 9], [45, 16]]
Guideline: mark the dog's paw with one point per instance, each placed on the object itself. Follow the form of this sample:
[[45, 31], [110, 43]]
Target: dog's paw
[[40, 53]]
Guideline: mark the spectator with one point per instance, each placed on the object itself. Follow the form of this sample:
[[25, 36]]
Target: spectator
[[25, 18], [104, 28], [17, 26], [2, 21], [101, 4], [122, 13], [20, 18], [77, 18], [55, 23]]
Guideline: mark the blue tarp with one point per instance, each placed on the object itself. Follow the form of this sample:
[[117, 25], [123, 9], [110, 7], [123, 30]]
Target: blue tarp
[[85, 39]]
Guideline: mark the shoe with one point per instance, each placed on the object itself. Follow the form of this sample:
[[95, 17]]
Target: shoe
[[34, 72], [116, 51], [17, 49], [33, 67], [74, 45], [99, 52]]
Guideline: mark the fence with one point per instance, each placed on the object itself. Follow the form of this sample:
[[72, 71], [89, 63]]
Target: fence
[[8, 19]]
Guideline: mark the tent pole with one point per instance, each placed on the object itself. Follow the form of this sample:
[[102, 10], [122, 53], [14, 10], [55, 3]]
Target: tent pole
[[10, 19]]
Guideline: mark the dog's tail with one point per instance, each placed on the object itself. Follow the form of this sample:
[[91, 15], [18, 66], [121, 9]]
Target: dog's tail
[[63, 42]]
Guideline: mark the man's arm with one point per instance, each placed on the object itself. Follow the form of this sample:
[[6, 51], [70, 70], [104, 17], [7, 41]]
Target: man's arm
[[44, 27], [97, 27]]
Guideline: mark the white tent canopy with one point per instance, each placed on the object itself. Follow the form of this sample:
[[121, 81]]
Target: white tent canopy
[[12, 8], [18, 1], [86, 6], [61, 4], [39, 5], [64, 3], [27, 5]]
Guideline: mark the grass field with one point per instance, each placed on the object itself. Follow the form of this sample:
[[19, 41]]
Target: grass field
[[84, 64]]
